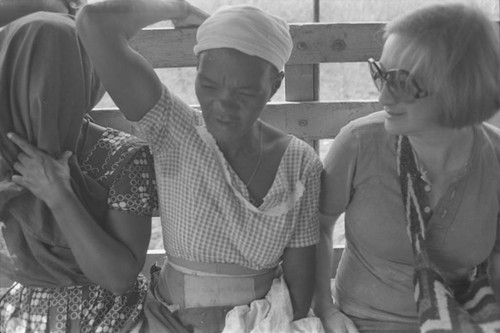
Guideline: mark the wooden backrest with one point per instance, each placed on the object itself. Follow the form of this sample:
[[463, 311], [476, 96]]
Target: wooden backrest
[[314, 43]]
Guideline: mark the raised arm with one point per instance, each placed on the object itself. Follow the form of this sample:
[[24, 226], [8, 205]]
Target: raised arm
[[105, 29]]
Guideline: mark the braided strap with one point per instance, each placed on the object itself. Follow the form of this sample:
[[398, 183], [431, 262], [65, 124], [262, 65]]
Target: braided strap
[[438, 311]]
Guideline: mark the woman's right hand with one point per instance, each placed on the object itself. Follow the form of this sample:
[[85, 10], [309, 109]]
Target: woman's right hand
[[335, 321]]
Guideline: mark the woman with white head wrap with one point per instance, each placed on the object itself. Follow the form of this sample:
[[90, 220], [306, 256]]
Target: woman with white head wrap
[[238, 197]]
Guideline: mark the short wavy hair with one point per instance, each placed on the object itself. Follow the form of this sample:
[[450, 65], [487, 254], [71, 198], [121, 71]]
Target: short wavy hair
[[456, 49]]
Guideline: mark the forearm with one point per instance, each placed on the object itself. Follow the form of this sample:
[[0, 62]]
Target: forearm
[[494, 274], [103, 259], [124, 18], [11, 10], [298, 271], [324, 265]]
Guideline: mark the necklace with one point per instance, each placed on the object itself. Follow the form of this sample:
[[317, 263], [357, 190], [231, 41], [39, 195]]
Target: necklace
[[258, 161]]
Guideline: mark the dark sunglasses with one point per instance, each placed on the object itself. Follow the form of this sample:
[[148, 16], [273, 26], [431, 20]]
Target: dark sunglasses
[[402, 86]]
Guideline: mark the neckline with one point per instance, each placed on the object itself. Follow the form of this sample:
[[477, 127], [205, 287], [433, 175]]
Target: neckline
[[229, 174], [258, 161], [454, 174]]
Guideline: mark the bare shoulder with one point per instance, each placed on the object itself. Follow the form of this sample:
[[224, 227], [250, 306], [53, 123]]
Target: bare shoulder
[[274, 140]]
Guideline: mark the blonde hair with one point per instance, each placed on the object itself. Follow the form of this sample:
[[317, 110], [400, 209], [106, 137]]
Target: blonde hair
[[456, 48]]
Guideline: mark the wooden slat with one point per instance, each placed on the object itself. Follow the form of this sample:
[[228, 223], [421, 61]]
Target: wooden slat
[[313, 43], [302, 84], [307, 120], [327, 42], [166, 47], [316, 120]]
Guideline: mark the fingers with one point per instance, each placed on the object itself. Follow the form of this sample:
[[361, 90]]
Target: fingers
[[19, 180], [23, 158], [19, 167], [64, 158], [27, 148]]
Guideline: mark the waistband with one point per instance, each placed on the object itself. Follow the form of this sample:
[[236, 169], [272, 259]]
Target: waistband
[[204, 285], [214, 269]]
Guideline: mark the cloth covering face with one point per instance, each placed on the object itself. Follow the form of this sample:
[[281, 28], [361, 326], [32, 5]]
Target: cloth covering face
[[249, 30], [47, 84], [108, 154]]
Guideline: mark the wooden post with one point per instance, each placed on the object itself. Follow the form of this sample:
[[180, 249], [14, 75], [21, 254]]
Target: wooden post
[[302, 81]]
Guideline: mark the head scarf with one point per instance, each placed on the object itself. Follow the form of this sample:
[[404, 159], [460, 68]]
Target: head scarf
[[47, 84], [249, 30]]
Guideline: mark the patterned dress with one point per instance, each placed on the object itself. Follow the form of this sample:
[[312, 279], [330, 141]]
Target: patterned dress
[[90, 308]]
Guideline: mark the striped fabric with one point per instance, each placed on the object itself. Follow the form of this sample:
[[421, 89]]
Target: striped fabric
[[438, 310]]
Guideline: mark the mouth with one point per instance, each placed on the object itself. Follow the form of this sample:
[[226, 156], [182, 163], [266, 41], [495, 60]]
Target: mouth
[[226, 122], [392, 113]]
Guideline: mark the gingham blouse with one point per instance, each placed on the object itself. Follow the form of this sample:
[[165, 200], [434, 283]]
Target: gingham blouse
[[205, 208]]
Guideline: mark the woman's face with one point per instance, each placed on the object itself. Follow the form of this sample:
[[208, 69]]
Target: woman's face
[[406, 117], [233, 89]]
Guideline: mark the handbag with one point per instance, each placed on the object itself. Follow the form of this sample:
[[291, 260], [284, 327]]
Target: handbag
[[438, 309]]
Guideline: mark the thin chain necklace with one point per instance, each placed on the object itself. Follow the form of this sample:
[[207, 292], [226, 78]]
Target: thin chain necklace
[[258, 161]]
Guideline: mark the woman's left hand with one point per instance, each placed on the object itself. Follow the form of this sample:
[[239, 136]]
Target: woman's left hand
[[46, 177]]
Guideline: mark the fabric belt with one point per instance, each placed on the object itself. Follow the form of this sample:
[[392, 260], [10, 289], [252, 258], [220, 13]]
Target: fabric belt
[[190, 284]]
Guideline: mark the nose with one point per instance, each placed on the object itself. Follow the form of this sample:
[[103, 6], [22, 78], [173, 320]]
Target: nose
[[226, 101], [385, 97]]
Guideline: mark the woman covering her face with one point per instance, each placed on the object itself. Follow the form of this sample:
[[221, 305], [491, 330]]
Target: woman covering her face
[[76, 198], [439, 80]]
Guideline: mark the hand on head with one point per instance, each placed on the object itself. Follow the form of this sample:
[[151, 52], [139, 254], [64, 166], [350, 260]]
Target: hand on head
[[195, 17]]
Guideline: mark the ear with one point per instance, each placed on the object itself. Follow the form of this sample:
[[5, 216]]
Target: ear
[[278, 78]]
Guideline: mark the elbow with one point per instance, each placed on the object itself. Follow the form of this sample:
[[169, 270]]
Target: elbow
[[120, 280], [87, 21], [120, 286]]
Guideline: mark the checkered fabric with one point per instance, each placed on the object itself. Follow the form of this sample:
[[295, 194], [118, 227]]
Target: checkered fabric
[[205, 207]]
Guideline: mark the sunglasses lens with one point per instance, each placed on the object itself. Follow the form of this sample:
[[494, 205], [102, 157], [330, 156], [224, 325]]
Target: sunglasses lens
[[401, 85]]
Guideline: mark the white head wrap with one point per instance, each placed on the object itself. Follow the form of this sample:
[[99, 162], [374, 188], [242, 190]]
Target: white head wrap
[[249, 30]]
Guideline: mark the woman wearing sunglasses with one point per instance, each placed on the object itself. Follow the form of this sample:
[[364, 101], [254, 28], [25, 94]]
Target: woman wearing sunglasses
[[439, 80]]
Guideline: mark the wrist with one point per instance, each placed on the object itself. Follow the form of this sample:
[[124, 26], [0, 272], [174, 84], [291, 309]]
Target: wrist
[[324, 305], [59, 197]]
